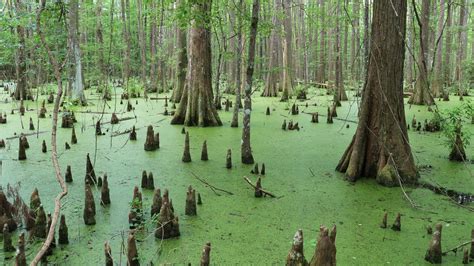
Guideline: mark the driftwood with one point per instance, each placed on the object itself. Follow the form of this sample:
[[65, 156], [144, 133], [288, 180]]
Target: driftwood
[[26, 135], [213, 188], [266, 193], [455, 249]]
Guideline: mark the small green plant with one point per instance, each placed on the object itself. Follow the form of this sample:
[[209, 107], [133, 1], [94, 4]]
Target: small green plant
[[457, 136]]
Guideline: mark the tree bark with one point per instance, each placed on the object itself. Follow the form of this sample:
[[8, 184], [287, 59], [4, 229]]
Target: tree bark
[[246, 150], [182, 62], [462, 45], [142, 44], [235, 115], [287, 75], [76, 73], [153, 51], [21, 78], [381, 140], [271, 82], [339, 93], [196, 107], [449, 42], [438, 83], [321, 76], [422, 94]]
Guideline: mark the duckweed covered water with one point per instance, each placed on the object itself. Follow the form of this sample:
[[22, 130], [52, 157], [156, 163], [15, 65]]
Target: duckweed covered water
[[242, 229]]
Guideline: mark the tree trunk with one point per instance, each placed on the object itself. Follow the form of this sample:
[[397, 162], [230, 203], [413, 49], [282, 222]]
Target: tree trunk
[[153, 51], [355, 42], [380, 144], [142, 44], [196, 107], [287, 75], [76, 78], [339, 93], [438, 83], [462, 46], [182, 62], [271, 89], [100, 41], [410, 50], [126, 36], [422, 94], [21, 86], [321, 76], [246, 150], [235, 115], [449, 42]]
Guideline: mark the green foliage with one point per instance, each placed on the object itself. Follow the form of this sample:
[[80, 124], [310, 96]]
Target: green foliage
[[452, 121], [135, 87]]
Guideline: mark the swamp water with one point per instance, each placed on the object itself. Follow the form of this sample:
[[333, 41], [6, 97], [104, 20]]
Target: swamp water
[[242, 229]]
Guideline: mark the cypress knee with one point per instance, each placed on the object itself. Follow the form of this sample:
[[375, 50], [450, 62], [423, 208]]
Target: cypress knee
[[204, 156], [114, 119], [296, 254], [157, 202], [384, 221], [150, 181], [434, 253], [144, 183], [20, 259], [133, 134], [109, 261], [228, 164], [73, 136], [32, 126], [132, 252], [44, 149], [21, 151], [262, 171], [150, 139], [63, 231], [186, 154], [397, 226], [89, 206], [325, 253], [258, 188], [105, 193], [206, 255], [40, 223], [68, 175], [98, 130], [90, 173], [191, 209]]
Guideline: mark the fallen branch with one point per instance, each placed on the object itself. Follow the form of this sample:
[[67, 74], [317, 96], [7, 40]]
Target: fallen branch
[[26, 135], [213, 188], [266, 193], [455, 249], [54, 156]]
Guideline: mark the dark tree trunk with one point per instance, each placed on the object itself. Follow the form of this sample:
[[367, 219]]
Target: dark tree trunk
[[287, 74], [182, 62], [246, 150], [422, 94], [380, 143], [196, 107], [235, 114], [271, 89], [448, 42], [438, 83], [21, 86]]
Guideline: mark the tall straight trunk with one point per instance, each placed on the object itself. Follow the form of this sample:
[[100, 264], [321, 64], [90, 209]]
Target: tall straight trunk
[[339, 93], [321, 76], [76, 78], [196, 107], [422, 94], [100, 41], [271, 81], [355, 42], [126, 52], [437, 85], [303, 41], [142, 44], [410, 50], [380, 147], [182, 62], [462, 45], [287, 75], [449, 42], [21, 86], [235, 115], [366, 35], [345, 64], [246, 150], [153, 51]]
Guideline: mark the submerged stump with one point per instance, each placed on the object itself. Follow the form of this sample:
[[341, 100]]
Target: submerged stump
[[434, 252], [132, 251], [296, 255], [89, 206], [191, 208], [206, 255]]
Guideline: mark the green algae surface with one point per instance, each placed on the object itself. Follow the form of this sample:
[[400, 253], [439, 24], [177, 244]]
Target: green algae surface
[[243, 230]]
